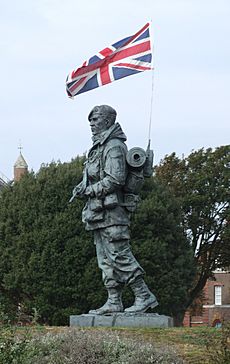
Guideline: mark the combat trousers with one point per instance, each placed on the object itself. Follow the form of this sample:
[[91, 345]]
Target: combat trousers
[[115, 258]]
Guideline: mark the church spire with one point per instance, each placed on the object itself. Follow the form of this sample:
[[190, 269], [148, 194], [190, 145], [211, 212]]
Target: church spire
[[20, 166]]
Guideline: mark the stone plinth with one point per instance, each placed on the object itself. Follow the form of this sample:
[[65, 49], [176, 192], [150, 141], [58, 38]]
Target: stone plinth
[[121, 320]]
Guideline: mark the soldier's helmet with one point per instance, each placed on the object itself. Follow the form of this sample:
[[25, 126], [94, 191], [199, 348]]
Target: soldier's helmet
[[104, 110]]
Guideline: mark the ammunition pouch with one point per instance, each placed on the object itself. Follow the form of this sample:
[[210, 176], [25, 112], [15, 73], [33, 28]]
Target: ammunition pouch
[[130, 201], [93, 211], [111, 201], [95, 204]]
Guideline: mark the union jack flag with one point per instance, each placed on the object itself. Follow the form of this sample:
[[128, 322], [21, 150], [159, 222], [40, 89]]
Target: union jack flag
[[124, 58]]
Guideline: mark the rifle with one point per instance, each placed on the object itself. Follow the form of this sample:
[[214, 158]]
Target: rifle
[[80, 188]]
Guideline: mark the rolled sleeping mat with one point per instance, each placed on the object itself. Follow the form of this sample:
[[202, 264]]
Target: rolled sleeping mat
[[136, 157]]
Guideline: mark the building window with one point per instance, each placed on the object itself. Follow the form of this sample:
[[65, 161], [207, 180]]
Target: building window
[[218, 295]]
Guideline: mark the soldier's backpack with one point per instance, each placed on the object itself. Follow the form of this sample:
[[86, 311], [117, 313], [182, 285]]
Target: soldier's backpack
[[140, 165]]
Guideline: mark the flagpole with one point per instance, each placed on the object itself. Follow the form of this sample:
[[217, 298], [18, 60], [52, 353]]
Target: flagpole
[[151, 107], [151, 102]]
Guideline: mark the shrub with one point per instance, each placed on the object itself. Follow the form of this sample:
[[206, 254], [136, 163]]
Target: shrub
[[101, 347], [79, 347], [218, 345], [13, 348]]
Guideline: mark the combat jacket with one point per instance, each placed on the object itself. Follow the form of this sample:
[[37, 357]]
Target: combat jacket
[[104, 176]]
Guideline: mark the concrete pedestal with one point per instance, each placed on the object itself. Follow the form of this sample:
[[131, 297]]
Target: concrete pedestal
[[121, 320]]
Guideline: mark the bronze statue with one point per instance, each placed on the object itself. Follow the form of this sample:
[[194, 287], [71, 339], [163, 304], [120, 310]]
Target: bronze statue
[[111, 188]]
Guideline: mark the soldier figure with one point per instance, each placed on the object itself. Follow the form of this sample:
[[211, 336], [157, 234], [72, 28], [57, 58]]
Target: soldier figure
[[105, 213]]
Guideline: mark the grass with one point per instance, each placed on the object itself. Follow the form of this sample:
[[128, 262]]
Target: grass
[[189, 343], [194, 345]]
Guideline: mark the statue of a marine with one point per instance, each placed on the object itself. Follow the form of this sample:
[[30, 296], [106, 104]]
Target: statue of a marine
[[111, 187]]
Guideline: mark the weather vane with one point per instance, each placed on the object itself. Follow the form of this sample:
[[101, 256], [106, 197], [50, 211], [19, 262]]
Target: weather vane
[[20, 147]]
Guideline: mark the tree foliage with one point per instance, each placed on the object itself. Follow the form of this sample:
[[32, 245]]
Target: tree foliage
[[48, 259], [201, 184], [163, 249], [44, 246]]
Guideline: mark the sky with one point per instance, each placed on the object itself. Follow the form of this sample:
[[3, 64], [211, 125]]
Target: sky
[[42, 41]]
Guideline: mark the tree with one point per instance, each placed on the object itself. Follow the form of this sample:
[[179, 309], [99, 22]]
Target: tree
[[163, 249], [44, 247], [201, 183]]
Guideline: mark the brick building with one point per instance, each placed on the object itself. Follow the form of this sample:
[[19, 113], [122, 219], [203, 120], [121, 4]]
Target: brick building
[[20, 167], [216, 302]]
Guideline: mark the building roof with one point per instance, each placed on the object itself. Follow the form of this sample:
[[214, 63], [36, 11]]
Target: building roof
[[2, 183], [20, 162]]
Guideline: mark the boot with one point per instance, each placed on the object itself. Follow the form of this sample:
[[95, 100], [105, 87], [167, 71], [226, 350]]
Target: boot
[[113, 303], [144, 298]]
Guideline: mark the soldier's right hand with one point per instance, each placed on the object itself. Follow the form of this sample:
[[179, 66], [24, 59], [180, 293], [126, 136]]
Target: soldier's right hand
[[79, 190]]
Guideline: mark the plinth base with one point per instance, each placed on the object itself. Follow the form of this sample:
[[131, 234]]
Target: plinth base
[[121, 320]]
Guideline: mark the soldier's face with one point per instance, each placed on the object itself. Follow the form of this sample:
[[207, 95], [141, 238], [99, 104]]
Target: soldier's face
[[97, 124]]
